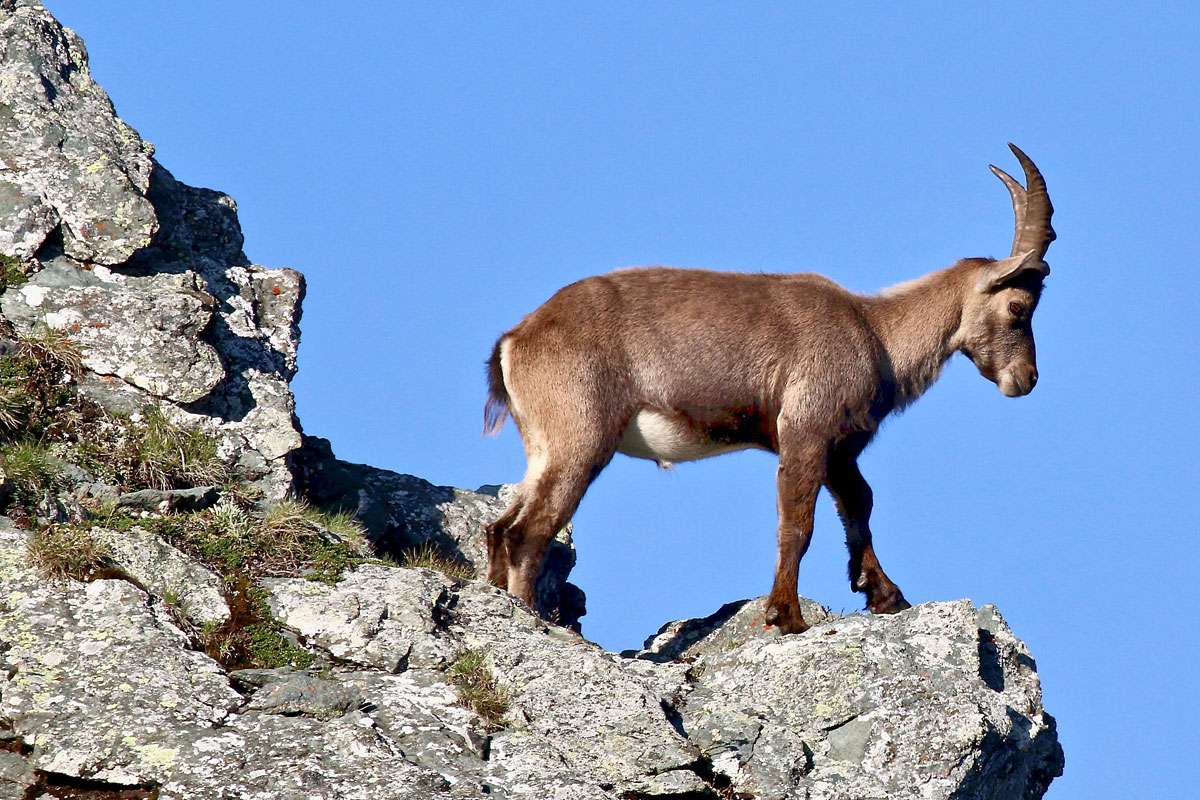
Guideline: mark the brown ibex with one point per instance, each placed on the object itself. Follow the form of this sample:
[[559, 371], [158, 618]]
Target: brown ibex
[[681, 364]]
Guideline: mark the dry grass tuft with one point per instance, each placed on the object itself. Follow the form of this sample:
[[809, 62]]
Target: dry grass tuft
[[53, 351], [162, 455], [477, 688], [62, 552], [430, 556]]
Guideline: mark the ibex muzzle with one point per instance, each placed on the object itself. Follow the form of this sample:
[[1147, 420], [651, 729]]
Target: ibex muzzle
[[675, 365]]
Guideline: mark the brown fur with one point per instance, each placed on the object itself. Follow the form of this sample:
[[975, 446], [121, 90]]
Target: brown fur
[[676, 364]]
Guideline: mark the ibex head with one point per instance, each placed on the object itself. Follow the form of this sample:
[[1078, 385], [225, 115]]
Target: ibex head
[[996, 332]]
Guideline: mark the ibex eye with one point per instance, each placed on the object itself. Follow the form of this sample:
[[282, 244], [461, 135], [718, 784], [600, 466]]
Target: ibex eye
[[1016, 309]]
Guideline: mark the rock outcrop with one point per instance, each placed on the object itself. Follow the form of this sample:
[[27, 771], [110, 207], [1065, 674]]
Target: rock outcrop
[[146, 273], [127, 677], [939, 701]]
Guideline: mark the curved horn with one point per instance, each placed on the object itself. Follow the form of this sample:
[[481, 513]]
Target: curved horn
[[1031, 207]]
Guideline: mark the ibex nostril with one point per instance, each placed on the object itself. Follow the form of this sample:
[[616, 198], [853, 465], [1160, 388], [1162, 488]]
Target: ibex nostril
[[1033, 376]]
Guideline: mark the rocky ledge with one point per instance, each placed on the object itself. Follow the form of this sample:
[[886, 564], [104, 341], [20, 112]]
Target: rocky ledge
[[202, 602], [103, 690]]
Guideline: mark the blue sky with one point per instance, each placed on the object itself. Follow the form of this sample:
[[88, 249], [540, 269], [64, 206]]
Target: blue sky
[[438, 170]]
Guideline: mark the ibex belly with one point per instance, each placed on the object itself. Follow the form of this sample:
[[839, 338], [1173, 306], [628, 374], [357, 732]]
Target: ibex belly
[[667, 438]]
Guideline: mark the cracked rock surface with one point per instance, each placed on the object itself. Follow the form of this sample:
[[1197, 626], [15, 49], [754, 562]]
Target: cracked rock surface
[[941, 701], [67, 160], [938, 701]]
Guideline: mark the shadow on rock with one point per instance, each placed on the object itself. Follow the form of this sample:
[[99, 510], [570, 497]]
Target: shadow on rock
[[403, 512]]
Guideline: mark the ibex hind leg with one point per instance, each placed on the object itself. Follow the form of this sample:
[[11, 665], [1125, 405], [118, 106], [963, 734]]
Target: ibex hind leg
[[497, 547], [549, 505], [570, 427]]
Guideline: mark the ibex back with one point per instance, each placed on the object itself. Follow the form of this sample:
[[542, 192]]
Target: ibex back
[[675, 365]]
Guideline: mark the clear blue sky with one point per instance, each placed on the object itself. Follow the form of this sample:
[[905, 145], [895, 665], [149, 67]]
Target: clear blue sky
[[438, 170]]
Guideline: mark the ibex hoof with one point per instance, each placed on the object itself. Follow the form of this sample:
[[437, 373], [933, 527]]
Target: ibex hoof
[[889, 604], [789, 620]]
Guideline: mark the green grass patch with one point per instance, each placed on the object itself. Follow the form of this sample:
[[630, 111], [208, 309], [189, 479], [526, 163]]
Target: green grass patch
[[162, 455], [11, 272], [148, 450], [252, 637], [290, 539], [31, 469]]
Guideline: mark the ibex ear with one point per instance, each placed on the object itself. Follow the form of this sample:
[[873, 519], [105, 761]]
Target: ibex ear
[[1006, 270]]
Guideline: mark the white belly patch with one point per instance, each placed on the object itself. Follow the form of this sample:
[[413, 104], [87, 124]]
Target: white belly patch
[[659, 437]]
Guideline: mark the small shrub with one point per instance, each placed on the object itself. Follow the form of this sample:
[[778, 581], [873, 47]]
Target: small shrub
[[429, 556], [477, 688], [61, 552]]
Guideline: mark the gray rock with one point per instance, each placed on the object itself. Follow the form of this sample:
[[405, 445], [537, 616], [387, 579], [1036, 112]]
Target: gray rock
[[418, 713], [66, 160], [25, 221], [730, 626], [143, 331], [305, 695], [376, 617], [621, 731], [169, 500], [96, 652], [16, 775], [147, 274], [166, 573], [939, 701], [99, 686]]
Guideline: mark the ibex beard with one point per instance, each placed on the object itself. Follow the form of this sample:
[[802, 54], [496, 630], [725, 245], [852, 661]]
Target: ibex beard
[[681, 364]]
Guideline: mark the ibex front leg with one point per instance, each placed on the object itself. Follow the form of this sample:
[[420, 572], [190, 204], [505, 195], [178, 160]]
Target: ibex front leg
[[853, 497], [801, 471]]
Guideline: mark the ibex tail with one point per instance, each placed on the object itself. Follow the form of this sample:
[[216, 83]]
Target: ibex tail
[[495, 411]]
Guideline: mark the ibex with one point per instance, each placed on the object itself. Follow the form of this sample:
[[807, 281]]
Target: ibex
[[680, 364]]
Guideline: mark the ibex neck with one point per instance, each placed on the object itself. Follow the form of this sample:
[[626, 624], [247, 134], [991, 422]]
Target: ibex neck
[[917, 322]]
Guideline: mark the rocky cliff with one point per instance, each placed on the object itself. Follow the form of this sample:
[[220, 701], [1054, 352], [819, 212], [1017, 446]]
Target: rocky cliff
[[202, 602]]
